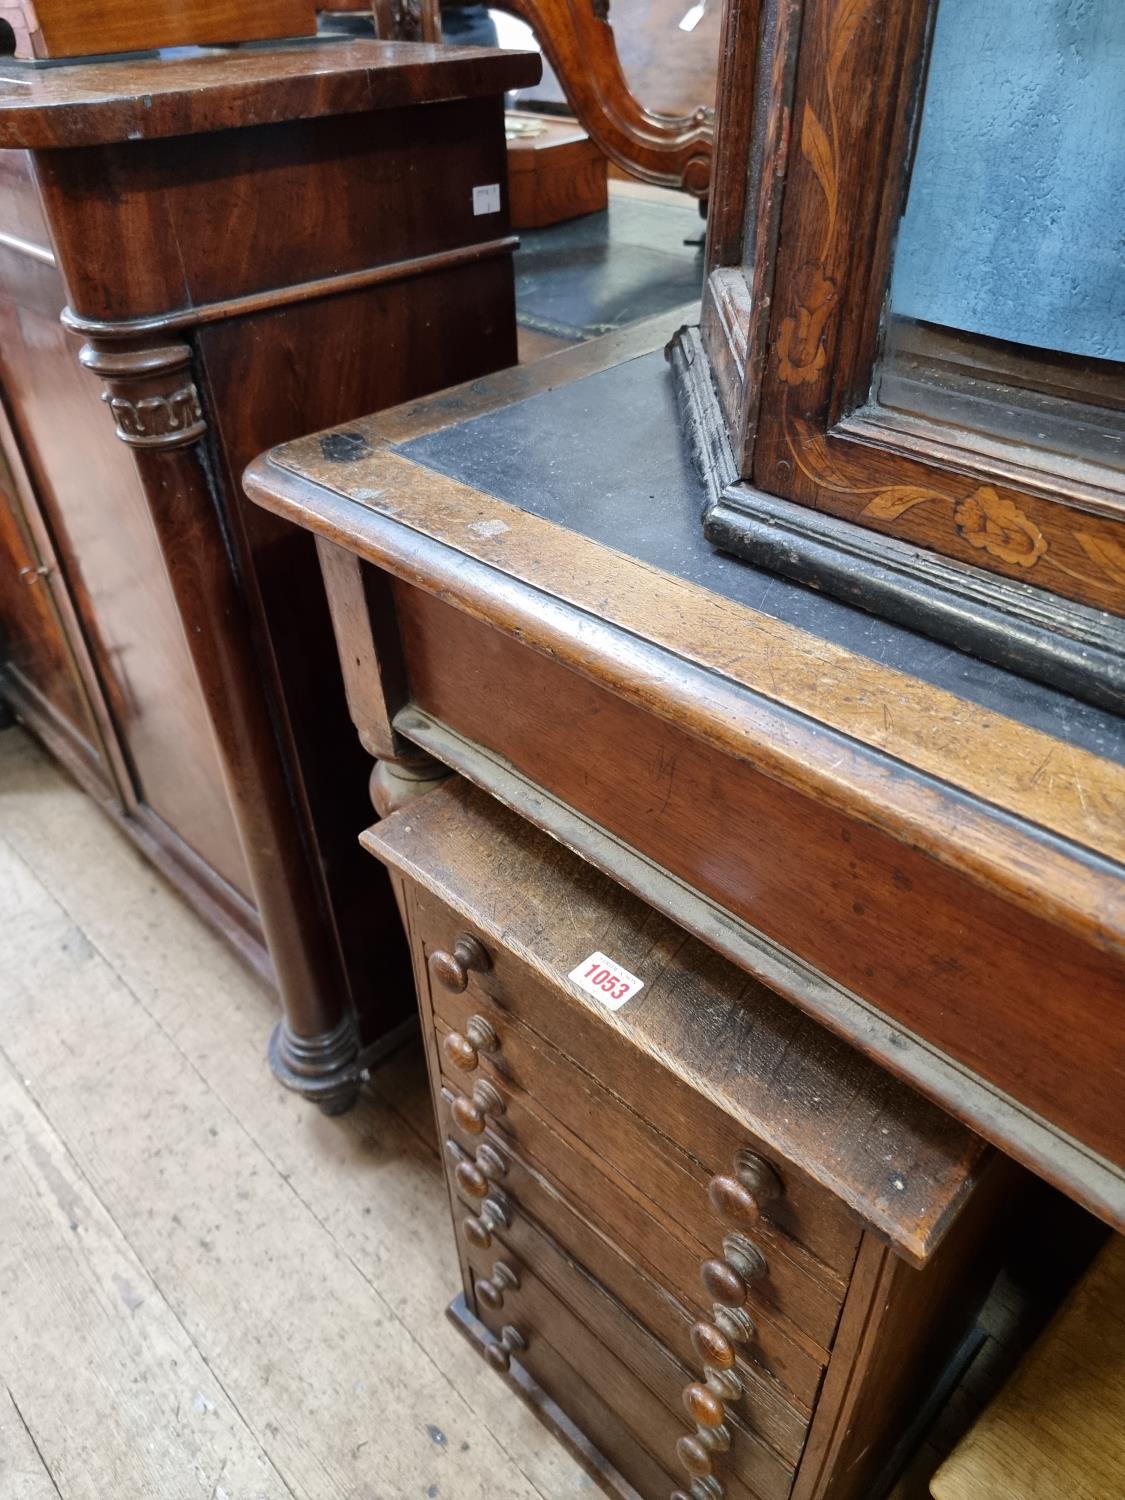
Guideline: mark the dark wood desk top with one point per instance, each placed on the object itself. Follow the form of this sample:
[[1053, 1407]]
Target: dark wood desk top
[[186, 93], [592, 500]]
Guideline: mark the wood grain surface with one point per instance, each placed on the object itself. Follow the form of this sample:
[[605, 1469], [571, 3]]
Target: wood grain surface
[[938, 815], [933, 1158], [80, 28], [845, 911], [1002, 764], [1057, 1428], [144, 98]]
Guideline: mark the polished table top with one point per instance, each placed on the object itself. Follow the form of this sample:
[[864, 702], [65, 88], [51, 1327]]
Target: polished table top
[[201, 89]]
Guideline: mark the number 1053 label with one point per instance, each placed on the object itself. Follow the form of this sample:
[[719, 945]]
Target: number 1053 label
[[608, 982]]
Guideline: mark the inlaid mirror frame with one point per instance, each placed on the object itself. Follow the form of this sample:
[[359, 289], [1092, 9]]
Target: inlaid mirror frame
[[1016, 556]]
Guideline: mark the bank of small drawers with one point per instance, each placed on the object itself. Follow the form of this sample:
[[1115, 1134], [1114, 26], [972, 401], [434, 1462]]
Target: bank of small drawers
[[629, 1240], [686, 1224]]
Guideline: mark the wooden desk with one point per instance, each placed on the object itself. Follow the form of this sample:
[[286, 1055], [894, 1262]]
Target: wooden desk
[[931, 856], [248, 246], [845, 816]]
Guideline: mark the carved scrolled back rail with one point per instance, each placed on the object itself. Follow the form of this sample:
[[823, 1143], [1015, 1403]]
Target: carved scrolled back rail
[[577, 38]]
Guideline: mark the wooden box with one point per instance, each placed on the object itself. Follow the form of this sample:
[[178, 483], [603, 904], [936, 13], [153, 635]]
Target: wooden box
[[85, 28], [555, 171]]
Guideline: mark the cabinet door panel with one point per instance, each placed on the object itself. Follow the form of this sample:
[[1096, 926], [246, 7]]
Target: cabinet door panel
[[96, 513]]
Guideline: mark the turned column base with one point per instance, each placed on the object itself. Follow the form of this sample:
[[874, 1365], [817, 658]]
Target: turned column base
[[324, 1069], [396, 783]]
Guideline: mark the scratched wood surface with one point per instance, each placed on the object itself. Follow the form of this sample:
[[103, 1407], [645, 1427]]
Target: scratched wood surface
[[898, 1163], [210, 1290]]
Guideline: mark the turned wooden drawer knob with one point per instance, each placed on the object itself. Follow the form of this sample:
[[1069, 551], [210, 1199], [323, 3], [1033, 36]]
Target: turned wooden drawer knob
[[470, 1179], [495, 1213], [499, 1355], [459, 1052], [704, 1407], [712, 1346], [701, 1489], [471, 1113], [464, 1051], [467, 1175], [451, 970], [739, 1198], [694, 1456], [493, 1163], [735, 1324], [728, 1280], [491, 1291], [475, 1176], [723, 1282]]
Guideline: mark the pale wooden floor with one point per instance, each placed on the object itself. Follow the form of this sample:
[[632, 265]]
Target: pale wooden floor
[[207, 1290]]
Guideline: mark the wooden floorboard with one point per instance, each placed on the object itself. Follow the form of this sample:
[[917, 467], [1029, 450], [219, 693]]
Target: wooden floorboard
[[76, 1299], [303, 1264], [23, 1471]]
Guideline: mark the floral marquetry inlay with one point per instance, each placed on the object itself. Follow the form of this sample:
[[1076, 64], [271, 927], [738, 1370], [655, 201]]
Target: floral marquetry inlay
[[986, 519], [982, 517], [843, 159], [801, 353]]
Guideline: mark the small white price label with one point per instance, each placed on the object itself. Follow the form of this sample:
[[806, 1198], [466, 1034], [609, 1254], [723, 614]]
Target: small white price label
[[486, 200], [609, 983]]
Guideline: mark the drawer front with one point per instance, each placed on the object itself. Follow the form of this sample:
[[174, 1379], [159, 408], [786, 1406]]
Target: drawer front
[[818, 1228], [793, 1359], [534, 1207], [614, 1367], [606, 1320], [651, 1171], [583, 1406]]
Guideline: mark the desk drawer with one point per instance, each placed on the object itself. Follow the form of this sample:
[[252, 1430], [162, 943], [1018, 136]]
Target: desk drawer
[[684, 1136], [587, 1124], [709, 1061], [777, 1414], [606, 1128], [641, 1235], [625, 1368], [582, 1404]]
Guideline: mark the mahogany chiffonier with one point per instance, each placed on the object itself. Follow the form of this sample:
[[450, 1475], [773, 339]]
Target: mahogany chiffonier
[[243, 245], [746, 920]]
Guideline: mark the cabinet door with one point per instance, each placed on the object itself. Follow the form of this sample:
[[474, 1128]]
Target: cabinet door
[[42, 657]]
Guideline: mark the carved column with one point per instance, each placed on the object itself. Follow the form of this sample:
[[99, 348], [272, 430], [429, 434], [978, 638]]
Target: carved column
[[151, 393]]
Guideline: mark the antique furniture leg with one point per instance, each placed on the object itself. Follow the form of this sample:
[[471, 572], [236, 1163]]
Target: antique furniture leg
[[152, 395], [394, 784], [374, 678]]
